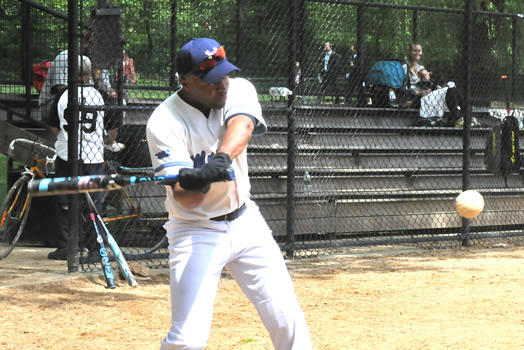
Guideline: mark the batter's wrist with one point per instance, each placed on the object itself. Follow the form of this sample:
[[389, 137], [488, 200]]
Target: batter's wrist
[[223, 155]]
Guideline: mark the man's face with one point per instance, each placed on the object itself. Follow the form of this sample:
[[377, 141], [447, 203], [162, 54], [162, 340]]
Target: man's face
[[327, 47], [205, 96]]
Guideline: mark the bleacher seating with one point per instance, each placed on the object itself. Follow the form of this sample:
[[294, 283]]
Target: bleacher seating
[[359, 171], [363, 171]]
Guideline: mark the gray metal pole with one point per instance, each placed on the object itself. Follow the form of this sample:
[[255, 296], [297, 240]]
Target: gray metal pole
[[468, 23], [291, 150], [72, 146]]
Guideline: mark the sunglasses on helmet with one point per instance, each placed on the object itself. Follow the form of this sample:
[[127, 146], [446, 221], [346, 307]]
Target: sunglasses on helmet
[[211, 61]]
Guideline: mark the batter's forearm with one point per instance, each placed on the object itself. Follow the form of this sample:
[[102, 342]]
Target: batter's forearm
[[189, 199], [237, 136]]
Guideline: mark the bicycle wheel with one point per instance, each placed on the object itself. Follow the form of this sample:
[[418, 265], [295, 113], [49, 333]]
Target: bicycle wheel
[[14, 214], [137, 232]]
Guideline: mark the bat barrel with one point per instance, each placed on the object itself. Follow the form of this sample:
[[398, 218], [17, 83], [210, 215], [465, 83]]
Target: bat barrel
[[65, 185]]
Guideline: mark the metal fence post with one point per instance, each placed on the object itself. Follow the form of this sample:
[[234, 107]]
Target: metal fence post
[[291, 145], [72, 145], [415, 26], [468, 23], [514, 57], [173, 41], [360, 71], [240, 32], [28, 58]]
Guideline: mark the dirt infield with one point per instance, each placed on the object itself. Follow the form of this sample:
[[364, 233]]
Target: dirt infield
[[445, 299]]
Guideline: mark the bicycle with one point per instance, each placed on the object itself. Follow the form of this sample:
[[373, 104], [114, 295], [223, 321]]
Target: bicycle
[[121, 214], [17, 203]]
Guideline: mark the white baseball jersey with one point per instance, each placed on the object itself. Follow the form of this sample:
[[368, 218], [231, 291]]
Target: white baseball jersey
[[91, 127], [180, 136]]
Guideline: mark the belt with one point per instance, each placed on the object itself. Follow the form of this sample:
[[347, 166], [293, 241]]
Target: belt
[[235, 214]]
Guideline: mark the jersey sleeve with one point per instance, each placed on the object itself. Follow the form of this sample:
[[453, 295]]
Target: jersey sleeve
[[242, 99], [167, 147]]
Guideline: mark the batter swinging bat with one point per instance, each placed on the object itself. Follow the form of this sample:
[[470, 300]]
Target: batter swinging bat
[[94, 183]]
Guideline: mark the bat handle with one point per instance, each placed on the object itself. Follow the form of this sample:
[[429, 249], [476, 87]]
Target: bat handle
[[231, 173], [171, 180]]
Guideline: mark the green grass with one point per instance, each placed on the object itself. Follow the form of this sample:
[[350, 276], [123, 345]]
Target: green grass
[[15, 89]]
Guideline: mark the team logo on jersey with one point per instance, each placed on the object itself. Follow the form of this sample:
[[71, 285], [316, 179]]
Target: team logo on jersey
[[162, 154], [200, 159]]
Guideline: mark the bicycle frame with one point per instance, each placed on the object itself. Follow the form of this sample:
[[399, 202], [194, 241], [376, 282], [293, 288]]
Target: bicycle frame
[[41, 157]]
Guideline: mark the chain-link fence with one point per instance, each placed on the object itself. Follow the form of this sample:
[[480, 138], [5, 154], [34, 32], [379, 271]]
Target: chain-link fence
[[351, 157]]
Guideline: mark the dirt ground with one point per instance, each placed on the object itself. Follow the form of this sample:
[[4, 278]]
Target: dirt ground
[[443, 299]]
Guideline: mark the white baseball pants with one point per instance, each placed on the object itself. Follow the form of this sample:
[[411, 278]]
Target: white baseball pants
[[198, 253]]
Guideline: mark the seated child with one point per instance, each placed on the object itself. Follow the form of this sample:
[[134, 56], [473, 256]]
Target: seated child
[[425, 82]]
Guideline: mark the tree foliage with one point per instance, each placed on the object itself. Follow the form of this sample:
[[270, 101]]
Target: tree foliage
[[256, 33]]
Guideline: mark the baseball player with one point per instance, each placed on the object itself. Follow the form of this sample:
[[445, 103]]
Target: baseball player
[[91, 150], [199, 133], [57, 75]]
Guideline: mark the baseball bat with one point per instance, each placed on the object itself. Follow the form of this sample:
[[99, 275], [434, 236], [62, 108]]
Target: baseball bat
[[94, 183], [119, 256], [106, 266]]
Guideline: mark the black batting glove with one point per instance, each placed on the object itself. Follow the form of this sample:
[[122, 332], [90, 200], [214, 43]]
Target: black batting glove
[[217, 169], [191, 180]]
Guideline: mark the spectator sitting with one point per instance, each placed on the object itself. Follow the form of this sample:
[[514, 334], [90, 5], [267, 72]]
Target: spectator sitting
[[433, 102], [425, 82]]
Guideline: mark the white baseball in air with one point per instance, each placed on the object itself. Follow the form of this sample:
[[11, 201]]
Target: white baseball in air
[[469, 204]]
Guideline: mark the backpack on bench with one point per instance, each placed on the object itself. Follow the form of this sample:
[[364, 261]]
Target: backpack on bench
[[502, 155]]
